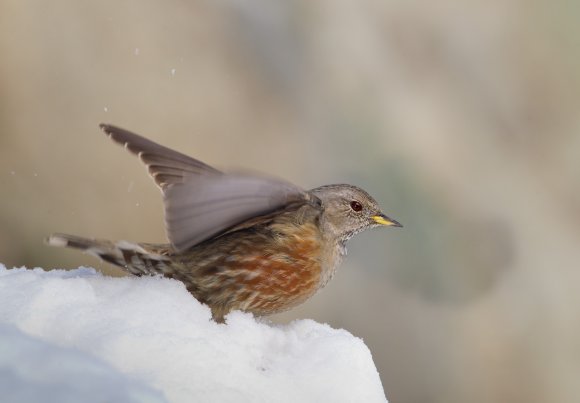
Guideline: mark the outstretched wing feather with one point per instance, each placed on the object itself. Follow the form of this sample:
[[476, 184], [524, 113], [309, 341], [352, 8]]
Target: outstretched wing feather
[[166, 166], [200, 201]]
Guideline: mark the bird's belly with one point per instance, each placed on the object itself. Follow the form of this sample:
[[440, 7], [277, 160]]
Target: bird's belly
[[283, 278], [281, 274], [272, 285], [262, 273]]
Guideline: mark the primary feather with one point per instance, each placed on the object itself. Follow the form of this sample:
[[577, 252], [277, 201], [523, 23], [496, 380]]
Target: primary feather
[[166, 166]]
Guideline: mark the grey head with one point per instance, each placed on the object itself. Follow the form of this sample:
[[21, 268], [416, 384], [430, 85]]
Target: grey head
[[348, 210]]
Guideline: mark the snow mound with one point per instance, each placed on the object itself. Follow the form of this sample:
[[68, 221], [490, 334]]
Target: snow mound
[[32, 370], [147, 340]]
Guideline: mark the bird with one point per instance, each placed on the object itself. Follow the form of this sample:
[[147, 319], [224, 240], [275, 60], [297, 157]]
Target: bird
[[237, 241]]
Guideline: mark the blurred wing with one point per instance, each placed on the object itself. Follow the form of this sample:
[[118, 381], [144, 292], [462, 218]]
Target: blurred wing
[[166, 166], [205, 206]]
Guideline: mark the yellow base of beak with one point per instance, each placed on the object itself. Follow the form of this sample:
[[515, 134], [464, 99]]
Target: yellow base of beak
[[382, 219]]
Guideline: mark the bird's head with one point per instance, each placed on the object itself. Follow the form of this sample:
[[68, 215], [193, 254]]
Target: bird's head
[[348, 210]]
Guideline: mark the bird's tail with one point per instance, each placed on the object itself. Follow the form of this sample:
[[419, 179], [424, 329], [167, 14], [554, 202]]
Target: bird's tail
[[138, 259]]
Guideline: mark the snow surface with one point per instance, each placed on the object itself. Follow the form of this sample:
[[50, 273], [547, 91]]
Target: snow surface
[[33, 370], [69, 336]]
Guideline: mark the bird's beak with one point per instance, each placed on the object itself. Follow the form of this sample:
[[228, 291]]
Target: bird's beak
[[382, 219]]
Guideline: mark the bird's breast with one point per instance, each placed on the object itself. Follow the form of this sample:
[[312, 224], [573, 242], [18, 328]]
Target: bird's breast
[[269, 271], [284, 272]]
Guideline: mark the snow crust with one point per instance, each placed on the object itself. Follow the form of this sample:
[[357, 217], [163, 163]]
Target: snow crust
[[67, 335]]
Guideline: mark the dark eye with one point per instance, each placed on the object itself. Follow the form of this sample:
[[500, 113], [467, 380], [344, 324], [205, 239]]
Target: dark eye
[[356, 206]]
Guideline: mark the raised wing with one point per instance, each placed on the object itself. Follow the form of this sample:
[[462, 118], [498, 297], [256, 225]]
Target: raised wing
[[205, 206], [200, 201], [166, 166]]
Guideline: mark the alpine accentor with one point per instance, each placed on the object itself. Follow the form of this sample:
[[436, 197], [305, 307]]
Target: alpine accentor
[[238, 241]]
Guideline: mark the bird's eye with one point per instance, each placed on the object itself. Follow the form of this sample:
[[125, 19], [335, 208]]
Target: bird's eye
[[356, 206]]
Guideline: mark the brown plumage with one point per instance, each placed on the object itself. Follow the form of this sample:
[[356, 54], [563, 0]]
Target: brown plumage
[[237, 241]]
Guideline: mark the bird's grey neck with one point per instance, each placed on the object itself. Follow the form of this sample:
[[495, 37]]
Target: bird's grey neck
[[336, 241], [334, 253]]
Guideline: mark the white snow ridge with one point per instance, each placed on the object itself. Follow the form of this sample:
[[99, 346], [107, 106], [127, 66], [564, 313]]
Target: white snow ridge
[[72, 336]]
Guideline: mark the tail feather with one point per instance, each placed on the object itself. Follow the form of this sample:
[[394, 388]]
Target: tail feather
[[131, 257]]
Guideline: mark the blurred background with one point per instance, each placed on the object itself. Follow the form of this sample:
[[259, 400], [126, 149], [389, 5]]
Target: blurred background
[[459, 117]]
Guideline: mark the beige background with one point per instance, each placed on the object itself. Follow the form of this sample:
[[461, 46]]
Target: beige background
[[460, 117]]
